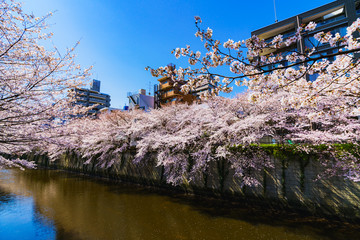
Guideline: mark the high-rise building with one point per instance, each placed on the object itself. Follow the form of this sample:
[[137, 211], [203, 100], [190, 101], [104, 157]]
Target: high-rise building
[[95, 85], [92, 97]]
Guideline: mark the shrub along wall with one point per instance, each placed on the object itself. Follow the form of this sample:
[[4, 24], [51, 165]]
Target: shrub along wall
[[291, 183]]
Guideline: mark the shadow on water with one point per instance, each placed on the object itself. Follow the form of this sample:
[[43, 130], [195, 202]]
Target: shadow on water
[[247, 211], [255, 215], [62, 234], [80, 207], [238, 210], [5, 197]]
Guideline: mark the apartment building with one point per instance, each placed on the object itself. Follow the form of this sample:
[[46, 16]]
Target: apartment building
[[334, 17], [92, 97], [167, 92]]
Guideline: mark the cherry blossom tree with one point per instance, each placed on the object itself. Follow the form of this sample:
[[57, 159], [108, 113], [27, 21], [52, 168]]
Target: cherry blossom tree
[[34, 82], [284, 103], [268, 66], [186, 141]]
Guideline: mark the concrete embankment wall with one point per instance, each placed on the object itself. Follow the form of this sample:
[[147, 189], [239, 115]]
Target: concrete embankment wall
[[291, 183]]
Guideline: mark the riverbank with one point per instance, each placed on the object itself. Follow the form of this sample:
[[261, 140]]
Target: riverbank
[[290, 186]]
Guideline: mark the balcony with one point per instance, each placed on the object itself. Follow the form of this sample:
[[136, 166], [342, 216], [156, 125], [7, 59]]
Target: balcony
[[170, 94], [80, 93], [166, 85], [97, 95], [162, 79], [80, 98], [97, 101]]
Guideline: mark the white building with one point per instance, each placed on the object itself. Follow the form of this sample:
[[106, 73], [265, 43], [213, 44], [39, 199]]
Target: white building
[[139, 100]]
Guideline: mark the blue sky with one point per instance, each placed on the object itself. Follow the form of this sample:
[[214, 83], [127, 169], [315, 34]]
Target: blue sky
[[120, 38]]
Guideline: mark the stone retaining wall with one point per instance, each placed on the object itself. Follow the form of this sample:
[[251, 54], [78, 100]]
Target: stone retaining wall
[[291, 183]]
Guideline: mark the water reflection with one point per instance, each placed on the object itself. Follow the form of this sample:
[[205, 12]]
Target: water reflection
[[19, 219], [48, 204]]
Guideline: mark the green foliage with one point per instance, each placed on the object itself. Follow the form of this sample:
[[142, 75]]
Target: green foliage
[[299, 152]]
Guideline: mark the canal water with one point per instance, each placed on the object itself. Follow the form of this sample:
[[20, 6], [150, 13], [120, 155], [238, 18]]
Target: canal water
[[51, 204]]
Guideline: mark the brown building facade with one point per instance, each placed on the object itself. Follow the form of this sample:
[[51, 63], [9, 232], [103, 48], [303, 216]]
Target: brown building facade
[[168, 93]]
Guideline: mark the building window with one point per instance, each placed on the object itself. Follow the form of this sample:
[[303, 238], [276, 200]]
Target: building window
[[285, 35], [357, 7], [311, 42], [314, 76], [334, 16], [283, 52]]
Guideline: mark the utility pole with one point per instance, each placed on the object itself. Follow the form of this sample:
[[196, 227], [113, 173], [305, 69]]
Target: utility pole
[[149, 88]]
